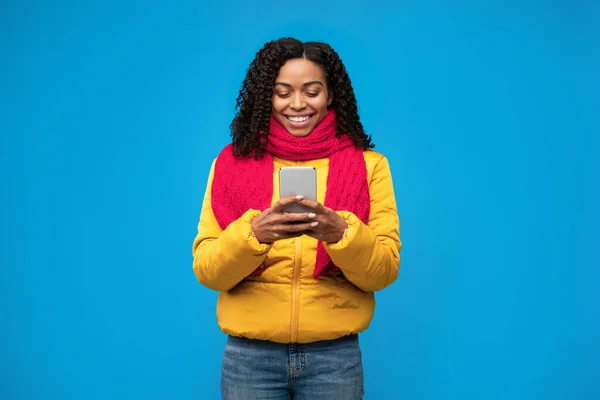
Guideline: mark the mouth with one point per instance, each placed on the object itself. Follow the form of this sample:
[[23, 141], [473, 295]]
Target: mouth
[[299, 121]]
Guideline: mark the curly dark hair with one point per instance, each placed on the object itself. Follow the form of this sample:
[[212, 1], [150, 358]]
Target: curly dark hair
[[254, 100]]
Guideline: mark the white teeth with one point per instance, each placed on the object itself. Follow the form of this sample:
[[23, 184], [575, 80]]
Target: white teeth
[[298, 119]]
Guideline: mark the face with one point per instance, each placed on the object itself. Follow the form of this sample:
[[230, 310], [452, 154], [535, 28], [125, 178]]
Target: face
[[301, 96]]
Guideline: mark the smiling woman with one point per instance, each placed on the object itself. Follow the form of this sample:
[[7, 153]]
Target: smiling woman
[[296, 289]]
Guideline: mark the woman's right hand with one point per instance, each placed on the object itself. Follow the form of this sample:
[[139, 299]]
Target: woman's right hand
[[273, 224]]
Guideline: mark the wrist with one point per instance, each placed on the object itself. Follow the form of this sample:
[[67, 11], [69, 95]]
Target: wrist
[[253, 233], [344, 232]]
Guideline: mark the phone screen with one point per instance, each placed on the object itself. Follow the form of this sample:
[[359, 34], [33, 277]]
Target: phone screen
[[295, 181]]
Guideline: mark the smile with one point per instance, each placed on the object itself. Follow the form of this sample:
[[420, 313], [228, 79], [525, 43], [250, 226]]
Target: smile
[[299, 119]]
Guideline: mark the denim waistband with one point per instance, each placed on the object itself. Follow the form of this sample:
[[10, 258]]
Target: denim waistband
[[242, 340]]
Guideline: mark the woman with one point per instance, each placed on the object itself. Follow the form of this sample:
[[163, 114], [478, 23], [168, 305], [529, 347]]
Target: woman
[[296, 288]]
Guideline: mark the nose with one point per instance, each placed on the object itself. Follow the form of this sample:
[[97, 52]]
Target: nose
[[297, 102]]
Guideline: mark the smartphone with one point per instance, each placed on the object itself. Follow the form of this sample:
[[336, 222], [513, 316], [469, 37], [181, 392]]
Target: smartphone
[[295, 181]]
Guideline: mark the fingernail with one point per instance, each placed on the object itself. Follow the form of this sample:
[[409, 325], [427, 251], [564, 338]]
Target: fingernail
[[314, 224], [300, 197], [312, 215]]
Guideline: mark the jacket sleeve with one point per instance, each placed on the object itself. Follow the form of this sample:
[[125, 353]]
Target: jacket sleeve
[[223, 258], [369, 254]]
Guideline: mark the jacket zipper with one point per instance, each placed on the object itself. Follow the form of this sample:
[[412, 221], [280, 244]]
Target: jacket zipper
[[295, 290]]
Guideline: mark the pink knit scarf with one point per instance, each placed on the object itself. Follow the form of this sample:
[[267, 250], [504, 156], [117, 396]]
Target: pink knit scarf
[[242, 183]]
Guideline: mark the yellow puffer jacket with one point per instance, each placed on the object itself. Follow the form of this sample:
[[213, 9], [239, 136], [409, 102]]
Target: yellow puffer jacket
[[285, 304]]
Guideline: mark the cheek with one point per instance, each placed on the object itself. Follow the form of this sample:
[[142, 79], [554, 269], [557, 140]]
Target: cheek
[[276, 104], [320, 104]]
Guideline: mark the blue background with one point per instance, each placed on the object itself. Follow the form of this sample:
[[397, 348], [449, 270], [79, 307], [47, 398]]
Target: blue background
[[111, 113]]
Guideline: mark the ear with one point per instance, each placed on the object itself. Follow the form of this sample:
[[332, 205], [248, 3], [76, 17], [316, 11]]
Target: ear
[[330, 99]]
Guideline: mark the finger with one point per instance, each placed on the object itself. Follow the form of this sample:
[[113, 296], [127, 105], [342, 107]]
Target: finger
[[273, 236], [312, 234], [300, 227], [283, 202], [315, 205], [287, 218]]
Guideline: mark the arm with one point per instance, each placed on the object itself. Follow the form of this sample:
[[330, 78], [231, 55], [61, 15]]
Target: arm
[[369, 255], [223, 258]]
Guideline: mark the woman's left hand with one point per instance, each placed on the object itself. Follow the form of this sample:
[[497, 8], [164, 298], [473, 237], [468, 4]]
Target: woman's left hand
[[331, 226]]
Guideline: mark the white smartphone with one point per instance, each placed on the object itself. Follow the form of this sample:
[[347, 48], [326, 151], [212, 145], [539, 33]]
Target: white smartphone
[[295, 181]]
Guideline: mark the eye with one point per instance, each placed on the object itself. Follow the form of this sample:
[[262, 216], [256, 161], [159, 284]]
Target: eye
[[311, 94], [283, 95]]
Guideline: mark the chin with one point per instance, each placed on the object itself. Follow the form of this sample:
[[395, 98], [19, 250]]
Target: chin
[[300, 134]]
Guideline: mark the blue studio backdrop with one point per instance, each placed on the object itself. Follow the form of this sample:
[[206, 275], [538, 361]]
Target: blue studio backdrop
[[111, 113]]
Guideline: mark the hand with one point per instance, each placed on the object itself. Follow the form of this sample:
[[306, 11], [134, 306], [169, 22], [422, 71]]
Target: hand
[[273, 224], [331, 226]]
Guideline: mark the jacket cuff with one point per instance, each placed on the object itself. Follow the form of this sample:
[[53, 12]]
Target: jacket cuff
[[241, 228], [354, 226]]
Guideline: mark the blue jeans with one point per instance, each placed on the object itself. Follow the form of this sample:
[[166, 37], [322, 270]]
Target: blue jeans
[[257, 370]]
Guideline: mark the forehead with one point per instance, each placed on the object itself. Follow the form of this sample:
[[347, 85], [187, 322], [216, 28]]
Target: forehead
[[299, 71]]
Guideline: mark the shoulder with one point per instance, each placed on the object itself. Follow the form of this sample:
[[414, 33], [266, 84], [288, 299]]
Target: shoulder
[[372, 158], [377, 165]]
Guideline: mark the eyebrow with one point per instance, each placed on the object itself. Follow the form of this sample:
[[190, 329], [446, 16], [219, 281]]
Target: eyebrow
[[306, 84]]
